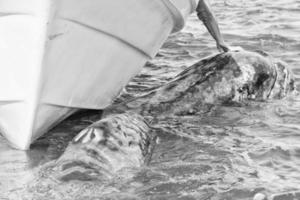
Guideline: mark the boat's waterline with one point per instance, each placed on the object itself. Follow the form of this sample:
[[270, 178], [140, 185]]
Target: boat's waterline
[[61, 56]]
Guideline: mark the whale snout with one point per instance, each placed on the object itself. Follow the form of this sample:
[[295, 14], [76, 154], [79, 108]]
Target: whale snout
[[284, 83], [261, 76]]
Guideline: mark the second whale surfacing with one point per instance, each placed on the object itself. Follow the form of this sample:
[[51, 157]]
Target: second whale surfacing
[[105, 147], [121, 140]]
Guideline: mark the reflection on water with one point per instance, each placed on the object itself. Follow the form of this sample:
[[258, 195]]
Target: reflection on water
[[233, 153]]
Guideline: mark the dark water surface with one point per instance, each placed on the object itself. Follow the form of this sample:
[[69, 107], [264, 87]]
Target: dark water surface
[[233, 153]]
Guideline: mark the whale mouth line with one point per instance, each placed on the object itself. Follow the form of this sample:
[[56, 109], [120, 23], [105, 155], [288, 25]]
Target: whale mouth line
[[80, 170]]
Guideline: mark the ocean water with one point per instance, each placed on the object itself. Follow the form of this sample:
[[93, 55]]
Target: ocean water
[[233, 153]]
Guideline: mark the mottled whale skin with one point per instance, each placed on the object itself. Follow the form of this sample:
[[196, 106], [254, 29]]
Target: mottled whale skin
[[105, 147], [121, 140], [231, 77]]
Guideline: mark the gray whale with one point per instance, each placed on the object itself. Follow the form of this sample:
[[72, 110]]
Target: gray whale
[[232, 77], [121, 140], [105, 147]]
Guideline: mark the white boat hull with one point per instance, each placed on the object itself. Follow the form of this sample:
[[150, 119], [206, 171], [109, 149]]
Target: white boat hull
[[60, 56]]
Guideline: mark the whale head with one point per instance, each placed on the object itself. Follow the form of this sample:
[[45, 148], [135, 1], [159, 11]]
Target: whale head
[[261, 76], [223, 79]]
